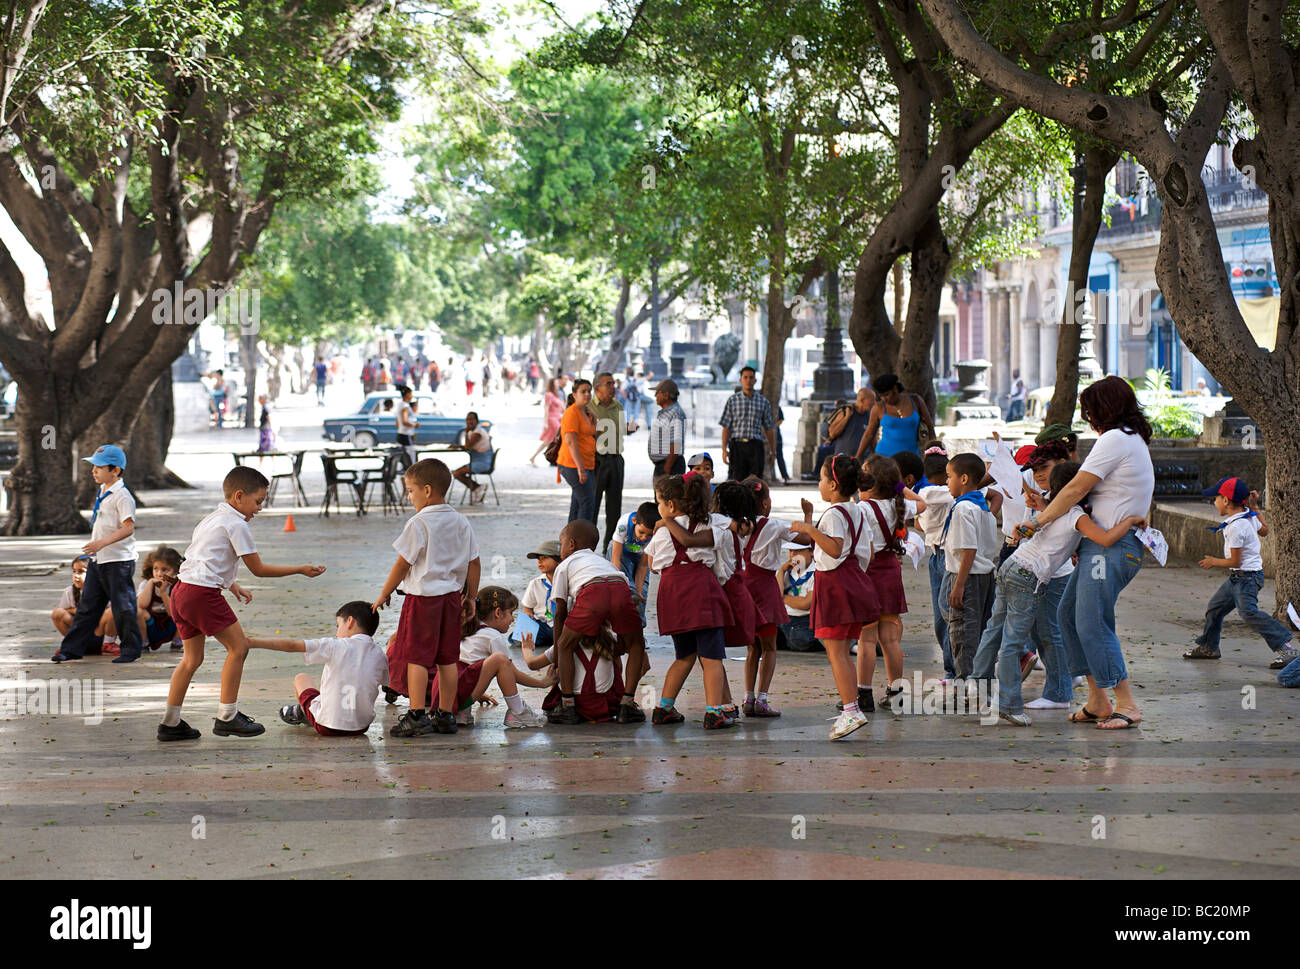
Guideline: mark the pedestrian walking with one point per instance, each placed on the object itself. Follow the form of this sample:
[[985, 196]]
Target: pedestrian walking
[[747, 424]]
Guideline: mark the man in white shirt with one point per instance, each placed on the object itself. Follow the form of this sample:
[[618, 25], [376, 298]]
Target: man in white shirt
[[355, 668], [110, 575]]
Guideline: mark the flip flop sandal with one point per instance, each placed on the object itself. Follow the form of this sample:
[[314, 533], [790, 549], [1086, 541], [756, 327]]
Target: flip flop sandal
[[1128, 722], [1088, 716]]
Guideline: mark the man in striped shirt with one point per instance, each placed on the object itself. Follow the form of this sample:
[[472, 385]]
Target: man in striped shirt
[[668, 432]]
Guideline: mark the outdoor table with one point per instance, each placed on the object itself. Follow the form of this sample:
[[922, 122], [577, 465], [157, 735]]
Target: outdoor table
[[294, 474]]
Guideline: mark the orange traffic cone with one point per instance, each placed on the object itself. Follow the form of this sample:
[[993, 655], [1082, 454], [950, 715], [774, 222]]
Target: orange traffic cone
[[289, 525]]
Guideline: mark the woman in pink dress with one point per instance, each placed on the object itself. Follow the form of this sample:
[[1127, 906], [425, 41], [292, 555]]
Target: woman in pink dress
[[553, 404]]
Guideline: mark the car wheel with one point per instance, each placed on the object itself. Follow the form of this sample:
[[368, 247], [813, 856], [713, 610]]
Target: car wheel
[[365, 439]]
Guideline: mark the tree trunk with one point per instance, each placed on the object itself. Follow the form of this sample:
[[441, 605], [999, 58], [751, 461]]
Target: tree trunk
[[539, 349], [42, 492], [248, 360], [780, 324], [1098, 162], [929, 272], [150, 439]]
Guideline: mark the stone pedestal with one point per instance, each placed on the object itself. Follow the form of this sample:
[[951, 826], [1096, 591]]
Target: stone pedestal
[[973, 404], [812, 417], [1231, 426]]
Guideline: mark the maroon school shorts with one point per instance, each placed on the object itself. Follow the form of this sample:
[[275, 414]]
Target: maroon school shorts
[[428, 632], [601, 601], [304, 701], [200, 610]]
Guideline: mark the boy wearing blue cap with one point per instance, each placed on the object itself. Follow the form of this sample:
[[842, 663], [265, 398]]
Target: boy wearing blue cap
[[1245, 577], [110, 575]]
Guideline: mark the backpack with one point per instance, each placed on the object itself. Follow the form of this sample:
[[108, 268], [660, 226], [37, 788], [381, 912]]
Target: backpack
[[632, 392], [839, 420]]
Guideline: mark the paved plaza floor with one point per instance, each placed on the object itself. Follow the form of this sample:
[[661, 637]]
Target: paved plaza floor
[[1205, 787]]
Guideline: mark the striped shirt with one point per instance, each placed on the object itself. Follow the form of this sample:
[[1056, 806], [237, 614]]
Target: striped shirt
[[668, 430]]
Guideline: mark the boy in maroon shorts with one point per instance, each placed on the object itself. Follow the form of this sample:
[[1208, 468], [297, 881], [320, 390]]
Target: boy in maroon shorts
[[211, 562], [588, 591], [355, 669], [437, 557]]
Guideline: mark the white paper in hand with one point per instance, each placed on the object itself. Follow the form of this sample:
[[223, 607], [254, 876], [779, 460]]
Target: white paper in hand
[[1154, 540], [1295, 618], [1006, 473], [987, 448], [914, 545]]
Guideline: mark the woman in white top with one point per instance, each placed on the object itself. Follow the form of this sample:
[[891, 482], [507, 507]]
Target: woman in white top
[[1119, 480], [407, 423]]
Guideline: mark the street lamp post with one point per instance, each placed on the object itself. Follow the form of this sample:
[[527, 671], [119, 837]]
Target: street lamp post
[[833, 379], [1089, 367], [654, 356]]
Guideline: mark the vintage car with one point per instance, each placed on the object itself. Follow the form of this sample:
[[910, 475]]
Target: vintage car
[[372, 424]]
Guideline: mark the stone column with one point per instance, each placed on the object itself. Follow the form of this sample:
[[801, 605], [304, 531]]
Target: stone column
[[1030, 338], [993, 341], [1014, 327], [1048, 334]]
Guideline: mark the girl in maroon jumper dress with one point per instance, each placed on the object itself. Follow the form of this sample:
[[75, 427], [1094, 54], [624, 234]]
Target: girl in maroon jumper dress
[[843, 597], [767, 540], [885, 501], [692, 607]]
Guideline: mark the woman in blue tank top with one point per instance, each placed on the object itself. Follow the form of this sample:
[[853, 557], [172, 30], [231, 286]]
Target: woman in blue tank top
[[897, 418]]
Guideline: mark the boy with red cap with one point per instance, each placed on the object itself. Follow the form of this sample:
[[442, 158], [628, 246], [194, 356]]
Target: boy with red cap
[[1240, 590]]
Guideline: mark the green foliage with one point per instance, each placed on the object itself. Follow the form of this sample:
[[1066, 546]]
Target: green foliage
[[1168, 418], [573, 295]]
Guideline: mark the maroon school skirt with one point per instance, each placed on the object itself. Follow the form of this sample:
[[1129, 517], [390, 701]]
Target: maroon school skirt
[[744, 616], [844, 595], [886, 575], [766, 593], [467, 675], [428, 634], [690, 599]]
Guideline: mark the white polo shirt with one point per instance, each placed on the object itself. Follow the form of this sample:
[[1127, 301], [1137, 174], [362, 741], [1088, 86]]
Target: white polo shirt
[[799, 583], [887, 511], [972, 527], [576, 571], [116, 506], [662, 551], [355, 669], [767, 552], [724, 548], [537, 597], [1050, 548], [219, 541], [604, 671], [833, 525], [439, 542], [482, 644], [938, 499], [1242, 531]]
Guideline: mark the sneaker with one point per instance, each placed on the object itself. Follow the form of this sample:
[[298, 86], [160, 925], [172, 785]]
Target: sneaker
[[716, 721], [291, 713], [1283, 657], [109, 648], [867, 700], [890, 694], [412, 724], [465, 718], [182, 731], [1079, 681], [748, 708], [240, 725], [443, 722], [479, 493], [1201, 652], [764, 709], [1016, 719], [565, 715], [846, 723], [527, 717], [630, 713], [1027, 663], [663, 715], [178, 644], [1042, 703], [732, 713]]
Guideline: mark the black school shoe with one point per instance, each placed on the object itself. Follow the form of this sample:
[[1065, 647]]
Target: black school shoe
[[570, 715], [630, 713], [124, 658], [412, 723], [292, 715], [866, 702], [240, 725], [443, 721], [182, 731]]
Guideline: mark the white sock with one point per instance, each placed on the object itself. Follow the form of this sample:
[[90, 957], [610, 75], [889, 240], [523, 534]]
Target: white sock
[[762, 698], [749, 696], [172, 717], [226, 711], [110, 639], [852, 707], [865, 686], [515, 704]]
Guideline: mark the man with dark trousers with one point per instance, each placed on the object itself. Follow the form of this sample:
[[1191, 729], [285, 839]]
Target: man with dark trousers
[[747, 423], [610, 425]]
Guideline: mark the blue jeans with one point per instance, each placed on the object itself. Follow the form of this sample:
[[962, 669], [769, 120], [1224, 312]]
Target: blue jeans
[[1240, 591], [1087, 613], [940, 624], [627, 565], [1059, 687], [798, 635], [582, 501], [1290, 675], [1015, 610], [1016, 410]]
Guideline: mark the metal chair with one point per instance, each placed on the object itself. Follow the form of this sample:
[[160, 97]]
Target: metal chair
[[333, 478], [295, 482], [488, 474]]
